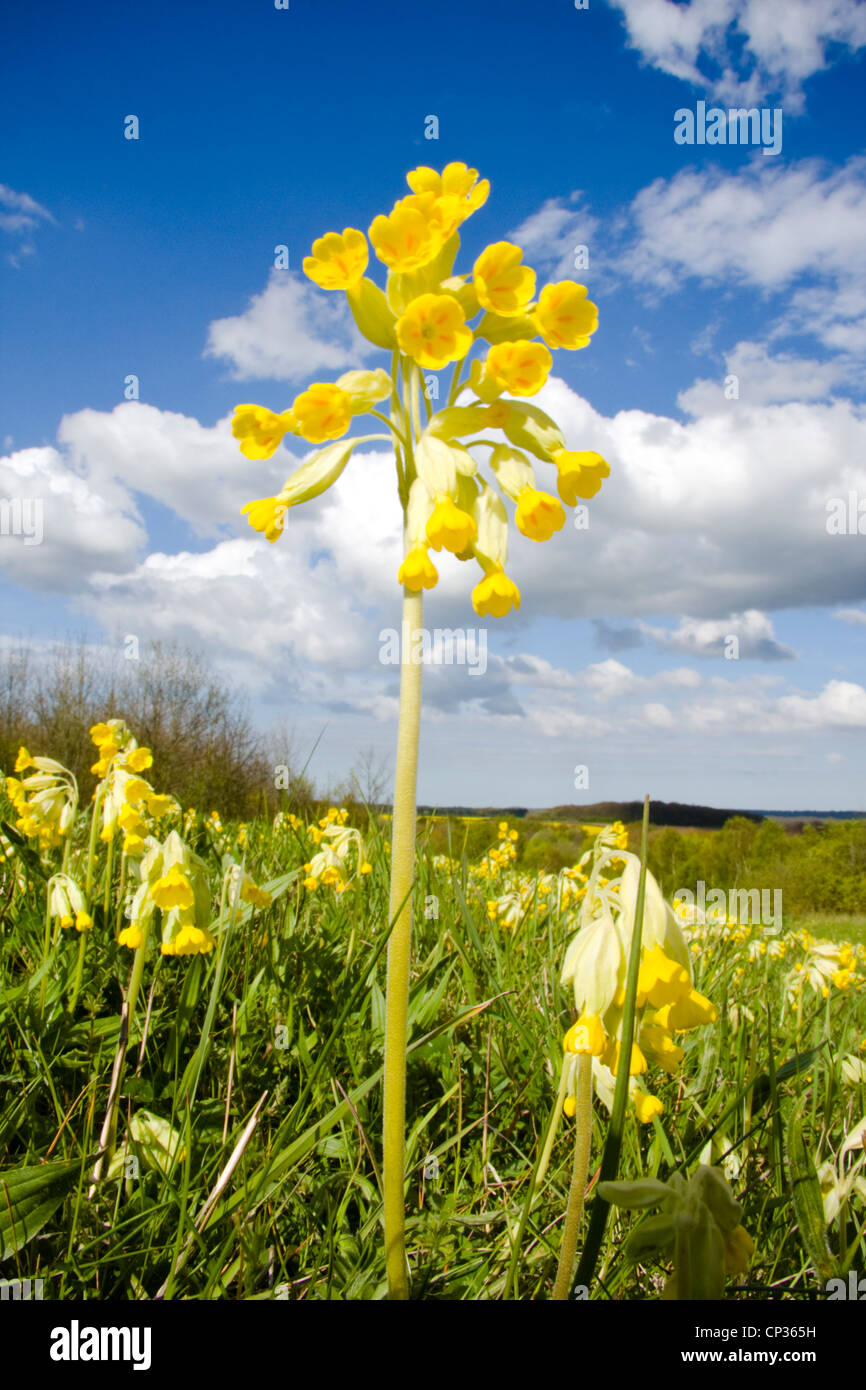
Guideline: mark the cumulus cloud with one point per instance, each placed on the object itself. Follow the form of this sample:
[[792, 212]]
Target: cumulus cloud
[[743, 50], [288, 332], [741, 636]]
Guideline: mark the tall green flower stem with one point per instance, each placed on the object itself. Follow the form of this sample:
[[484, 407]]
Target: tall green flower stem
[[579, 1175], [399, 945], [108, 1133]]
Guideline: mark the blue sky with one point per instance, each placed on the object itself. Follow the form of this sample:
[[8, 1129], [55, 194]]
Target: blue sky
[[261, 127]]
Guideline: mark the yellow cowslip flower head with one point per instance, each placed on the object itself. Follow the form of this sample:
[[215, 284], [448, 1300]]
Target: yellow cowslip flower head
[[564, 317], [131, 936], [691, 1010], [160, 806], [596, 964], [502, 284], [139, 760], [660, 1048], [645, 1105], [268, 515], [428, 314], [586, 1036], [450, 528], [323, 411], [495, 594], [409, 238], [45, 802], [538, 514], [610, 1058], [579, 474], [189, 940], [337, 262], [173, 890], [260, 431], [417, 570], [456, 182], [520, 368], [433, 331], [66, 900]]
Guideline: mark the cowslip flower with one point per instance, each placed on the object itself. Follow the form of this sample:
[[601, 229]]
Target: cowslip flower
[[501, 282], [433, 331], [259, 431], [520, 368], [596, 965], [564, 317], [429, 315], [337, 262]]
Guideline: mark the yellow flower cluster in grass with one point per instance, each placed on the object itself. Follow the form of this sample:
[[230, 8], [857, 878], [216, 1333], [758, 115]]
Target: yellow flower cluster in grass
[[429, 317]]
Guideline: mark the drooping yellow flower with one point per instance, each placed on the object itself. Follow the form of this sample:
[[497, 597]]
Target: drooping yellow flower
[[538, 514], [337, 262], [660, 1048], [579, 474], [645, 1105], [502, 284], [139, 760], [131, 936], [661, 980], [24, 760], [521, 368], [260, 431], [407, 238], [451, 528], [323, 411], [610, 1058], [564, 317], [587, 1036], [433, 331], [190, 941], [173, 890], [267, 514], [417, 570], [495, 594], [691, 1010]]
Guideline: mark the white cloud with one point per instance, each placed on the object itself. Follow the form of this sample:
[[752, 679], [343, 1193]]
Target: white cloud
[[765, 378], [19, 212], [743, 50], [552, 235], [289, 332], [851, 615], [19, 216], [757, 227], [752, 631], [78, 529]]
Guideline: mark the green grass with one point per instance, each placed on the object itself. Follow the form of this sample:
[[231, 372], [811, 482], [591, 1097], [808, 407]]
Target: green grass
[[292, 1021]]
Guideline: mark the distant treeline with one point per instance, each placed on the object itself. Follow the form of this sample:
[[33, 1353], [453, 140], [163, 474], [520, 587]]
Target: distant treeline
[[661, 813], [820, 869]]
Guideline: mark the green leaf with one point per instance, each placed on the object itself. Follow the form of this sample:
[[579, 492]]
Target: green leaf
[[808, 1206], [29, 1198]]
